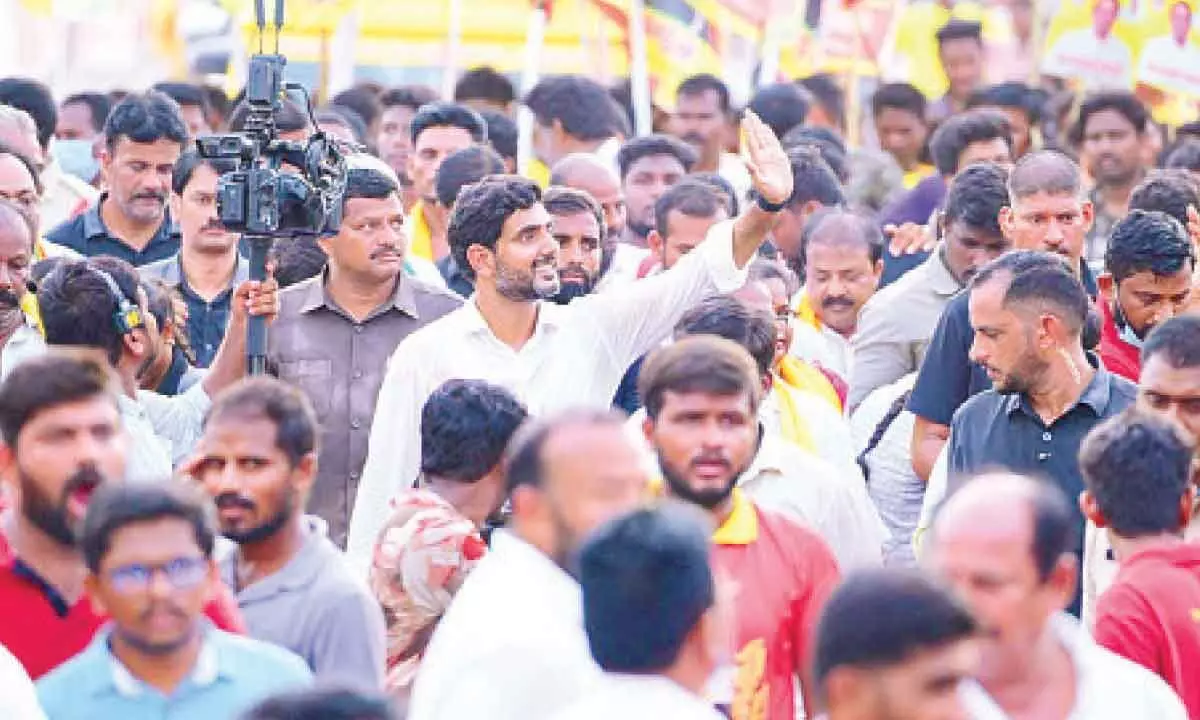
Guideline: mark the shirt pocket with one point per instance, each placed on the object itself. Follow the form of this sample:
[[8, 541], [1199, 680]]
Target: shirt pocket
[[314, 378]]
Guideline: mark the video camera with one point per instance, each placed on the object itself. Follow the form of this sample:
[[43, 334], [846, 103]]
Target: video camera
[[262, 200]]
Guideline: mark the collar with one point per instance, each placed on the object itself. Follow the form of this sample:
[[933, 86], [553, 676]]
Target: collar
[[316, 296], [548, 316], [175, 373], [205, 673], [523, 563], [741, 527], [300, 572], [937, 272], [173, 274], [58, 603], [770, 457], [1095, 395], [93, 225]]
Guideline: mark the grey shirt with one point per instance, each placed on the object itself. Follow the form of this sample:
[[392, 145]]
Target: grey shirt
[[316, 608], [339, 364], [896, 324]]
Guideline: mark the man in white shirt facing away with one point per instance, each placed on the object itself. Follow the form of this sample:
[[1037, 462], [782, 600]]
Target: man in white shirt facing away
[[652, 617], [550, 356], [1004, 543], [512, 645]]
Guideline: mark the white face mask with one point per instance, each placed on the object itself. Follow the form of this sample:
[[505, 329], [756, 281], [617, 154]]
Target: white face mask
[[1124, 330], [76, 158]]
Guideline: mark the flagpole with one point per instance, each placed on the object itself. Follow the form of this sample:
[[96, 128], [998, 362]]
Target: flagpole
[[639, 75], [453, 50], [535, 33]]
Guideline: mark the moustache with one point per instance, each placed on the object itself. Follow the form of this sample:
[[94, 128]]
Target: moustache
[[712, 458], [162, 606], [9, 300], [155, 196], [84, 482], [837, 302], [575, 271], [213, 226], [693, 138], [228, 500], [545, 260], [384, 252]]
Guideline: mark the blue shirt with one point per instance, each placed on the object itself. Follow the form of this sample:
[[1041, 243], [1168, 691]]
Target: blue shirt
[[232, 674], [915, 206], [206, 320], [86, 234]]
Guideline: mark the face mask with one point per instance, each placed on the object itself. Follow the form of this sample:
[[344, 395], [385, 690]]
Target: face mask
[[75, 157], [1124, 331]]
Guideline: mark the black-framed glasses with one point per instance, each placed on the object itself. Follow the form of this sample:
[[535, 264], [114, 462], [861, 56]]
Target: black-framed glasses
[[183, 573]]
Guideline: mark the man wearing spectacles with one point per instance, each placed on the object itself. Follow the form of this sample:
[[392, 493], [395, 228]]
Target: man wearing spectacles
[[148, 550]]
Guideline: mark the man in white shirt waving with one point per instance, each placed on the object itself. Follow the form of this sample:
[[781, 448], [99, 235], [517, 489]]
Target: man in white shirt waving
[[551, 357], [1003, 542]]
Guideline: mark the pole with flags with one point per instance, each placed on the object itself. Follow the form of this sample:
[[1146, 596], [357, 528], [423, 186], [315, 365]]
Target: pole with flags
[[639, 73], [535, 35]]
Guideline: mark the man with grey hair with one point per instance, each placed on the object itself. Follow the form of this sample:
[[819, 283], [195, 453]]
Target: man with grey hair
[[1047, 211], [19, 336]]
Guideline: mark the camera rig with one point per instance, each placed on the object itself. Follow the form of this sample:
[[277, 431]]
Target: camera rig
[[262, 199]]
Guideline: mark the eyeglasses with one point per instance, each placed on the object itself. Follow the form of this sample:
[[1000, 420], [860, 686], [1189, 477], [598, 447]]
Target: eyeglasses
[[182, 573]]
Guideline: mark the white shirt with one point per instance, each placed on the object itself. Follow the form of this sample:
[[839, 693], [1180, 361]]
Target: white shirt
[[1098, 62], [935, 493], [24, 343], [829, 430], [624, 268], [512, 645], [893, 485], [575, 359], [1107, 686], [18, 699], [787, 479], [1168, 65], [825, 347], [162, 431], [638, 697], [733, 169]]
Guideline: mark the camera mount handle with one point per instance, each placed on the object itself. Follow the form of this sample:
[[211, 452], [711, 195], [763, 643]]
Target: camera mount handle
[[256, 328]]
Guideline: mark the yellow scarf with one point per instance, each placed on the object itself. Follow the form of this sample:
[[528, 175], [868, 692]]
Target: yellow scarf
[[793, 424], [420, 239], [804, 377]]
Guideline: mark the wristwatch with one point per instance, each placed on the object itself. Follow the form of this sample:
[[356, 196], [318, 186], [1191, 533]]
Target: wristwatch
[[766, 205]]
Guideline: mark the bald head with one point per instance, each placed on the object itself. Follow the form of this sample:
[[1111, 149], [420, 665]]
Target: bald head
[[1006, 508], [18, 130], [15, 223], [842, 228], [1044, 171], [586, 172]]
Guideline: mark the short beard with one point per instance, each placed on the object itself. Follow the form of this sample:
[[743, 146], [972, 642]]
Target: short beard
[[520, 286], [52, 519], [271, 527], [708, 499], [1020, 380], [639, 229], [155, 649]]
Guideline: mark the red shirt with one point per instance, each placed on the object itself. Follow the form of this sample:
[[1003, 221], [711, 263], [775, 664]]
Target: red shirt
[[1118, 356], [1151, 615], [42, 631], [783, 573]]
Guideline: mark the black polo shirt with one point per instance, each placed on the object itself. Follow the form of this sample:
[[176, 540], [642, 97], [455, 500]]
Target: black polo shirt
[[947, 377], [86, 234], [992, 430]]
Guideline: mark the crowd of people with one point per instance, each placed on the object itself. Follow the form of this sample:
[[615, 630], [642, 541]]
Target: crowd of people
[[736, 419]]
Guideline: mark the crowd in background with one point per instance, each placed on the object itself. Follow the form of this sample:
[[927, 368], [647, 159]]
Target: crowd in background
[[736, 419]]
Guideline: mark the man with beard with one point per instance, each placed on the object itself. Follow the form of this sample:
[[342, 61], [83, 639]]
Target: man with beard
[[896, 323], [62, 437], [1150, 261], [619, 261], [1004, 545], [258, 460], [1027, 312], [19, 336], [208, 266], [512, 646], [99, 303], [649, 167], [459, 169], [700, 117], [144, 136], [336, 331], [158, 656], [578, 227], [843, 261], [550, 356], [702, 396], [1047, 211], [1111, 137]]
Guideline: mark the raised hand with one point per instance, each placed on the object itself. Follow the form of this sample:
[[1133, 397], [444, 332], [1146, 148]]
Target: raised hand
[[766, 160]]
